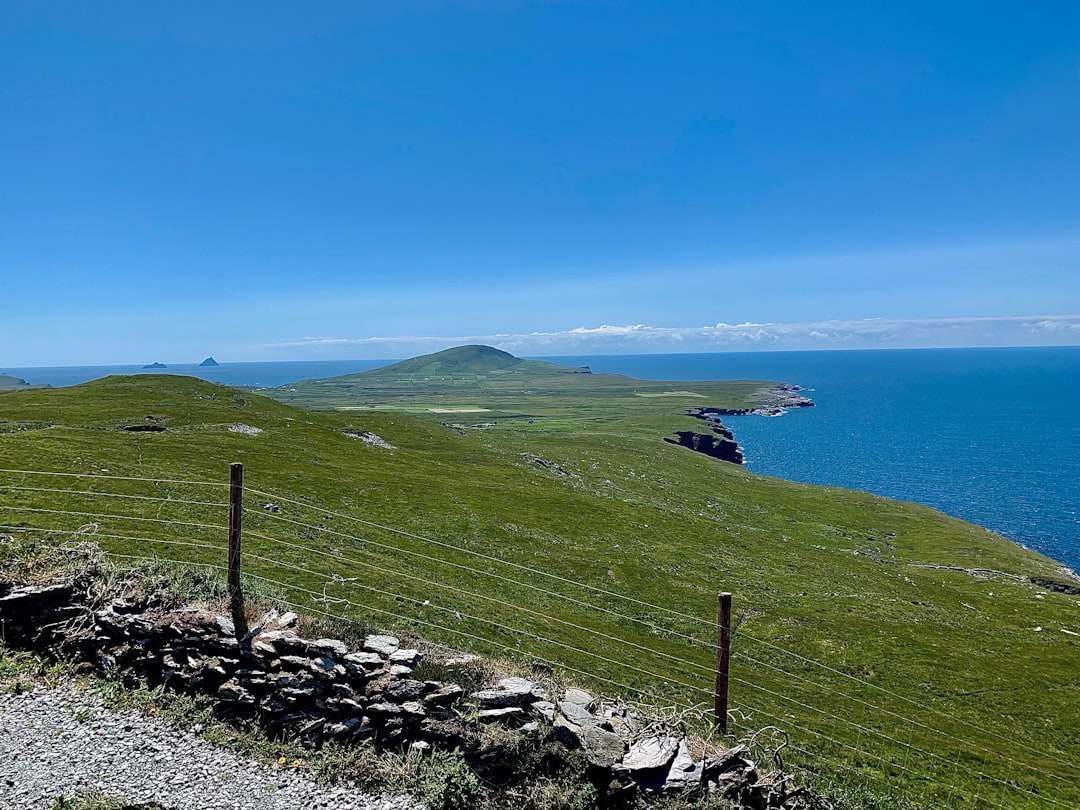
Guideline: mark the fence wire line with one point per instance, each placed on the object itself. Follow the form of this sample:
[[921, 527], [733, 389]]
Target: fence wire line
[[936, 732], [550, 618], [906, 719], [504, 628], [319, 595], [787, 722], [511, 605], [783, 720], [516, 650], [667, 631], [876, 733], [308, 608], [538, 589], [114, 495], [585, 586], [487, 557], [673, 682], [582, 585], [216, 527], [710, 670], [90, 530], [121, 478]]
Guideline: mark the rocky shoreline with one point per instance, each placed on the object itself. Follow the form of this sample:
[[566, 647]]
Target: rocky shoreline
[[720, 441], [775, 401]]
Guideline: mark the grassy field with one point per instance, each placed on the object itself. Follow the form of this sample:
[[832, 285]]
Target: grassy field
[[899, 648], [478, 384]]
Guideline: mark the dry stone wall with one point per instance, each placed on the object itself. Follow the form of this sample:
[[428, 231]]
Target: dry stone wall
[[320, 690]]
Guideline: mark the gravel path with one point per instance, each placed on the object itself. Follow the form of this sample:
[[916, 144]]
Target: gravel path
[[61, 741]]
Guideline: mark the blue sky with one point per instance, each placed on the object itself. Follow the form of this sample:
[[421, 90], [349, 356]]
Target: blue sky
[[264, 181]]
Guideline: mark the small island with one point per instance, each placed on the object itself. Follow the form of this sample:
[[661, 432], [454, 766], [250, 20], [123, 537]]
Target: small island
[[156, 365], [209, 361]]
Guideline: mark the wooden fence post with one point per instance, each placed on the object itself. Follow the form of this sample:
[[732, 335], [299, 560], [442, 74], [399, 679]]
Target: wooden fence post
[[723, 656], [236, 520]]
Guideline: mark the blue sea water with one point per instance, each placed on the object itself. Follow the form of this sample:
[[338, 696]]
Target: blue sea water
[[988, 435]]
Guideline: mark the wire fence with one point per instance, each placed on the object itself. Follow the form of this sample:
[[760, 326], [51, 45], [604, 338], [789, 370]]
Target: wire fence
[[349, 567]]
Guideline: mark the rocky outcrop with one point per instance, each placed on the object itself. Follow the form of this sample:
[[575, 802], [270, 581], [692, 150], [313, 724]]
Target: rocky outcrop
[[775, 401], [322, 691], [369, 438], [1055, 585], [720, 443]]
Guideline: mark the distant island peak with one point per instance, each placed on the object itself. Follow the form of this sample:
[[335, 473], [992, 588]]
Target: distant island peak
[[209, 361], [155, 365]]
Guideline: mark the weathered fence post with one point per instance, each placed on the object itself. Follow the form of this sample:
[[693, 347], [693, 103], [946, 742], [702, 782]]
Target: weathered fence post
[[723, 656], [236, 520]]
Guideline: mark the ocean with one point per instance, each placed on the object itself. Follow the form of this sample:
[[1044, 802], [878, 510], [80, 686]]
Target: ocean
[[988, 435]]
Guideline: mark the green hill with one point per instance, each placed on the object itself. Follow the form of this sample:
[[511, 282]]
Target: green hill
[[471, 360], [479, 382], [901, 649]]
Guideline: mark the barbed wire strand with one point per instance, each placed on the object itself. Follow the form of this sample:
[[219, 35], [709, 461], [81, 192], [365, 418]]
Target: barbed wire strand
[[742, 633], [873, 732], [95, 533], [907, 719], [659, 628], [369, 608], [677, 659], [481, 572], [783, 721], [91, 492], [497, 625], [120, 478], [215, 527], [494, 600]]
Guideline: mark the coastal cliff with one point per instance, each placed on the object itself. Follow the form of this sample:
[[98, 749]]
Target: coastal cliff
[[720, 443]]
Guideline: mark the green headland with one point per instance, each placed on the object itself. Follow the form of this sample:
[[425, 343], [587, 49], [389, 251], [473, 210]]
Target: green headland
[[897, 646]]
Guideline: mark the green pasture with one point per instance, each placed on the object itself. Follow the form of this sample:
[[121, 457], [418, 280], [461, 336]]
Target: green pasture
[[897, 647]]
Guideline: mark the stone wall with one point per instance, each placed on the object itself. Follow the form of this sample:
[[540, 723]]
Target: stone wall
[[320, 690]]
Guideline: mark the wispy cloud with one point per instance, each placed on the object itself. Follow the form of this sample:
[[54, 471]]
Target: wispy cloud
[[607, 338]]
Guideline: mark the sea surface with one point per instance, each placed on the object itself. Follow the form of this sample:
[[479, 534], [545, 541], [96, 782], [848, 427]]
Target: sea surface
[[988, 435]]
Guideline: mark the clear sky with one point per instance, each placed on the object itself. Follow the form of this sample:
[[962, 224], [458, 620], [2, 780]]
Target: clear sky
[[274, 180]]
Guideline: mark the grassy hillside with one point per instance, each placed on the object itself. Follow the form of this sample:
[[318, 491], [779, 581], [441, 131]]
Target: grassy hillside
[[478, 384], [897, 646]]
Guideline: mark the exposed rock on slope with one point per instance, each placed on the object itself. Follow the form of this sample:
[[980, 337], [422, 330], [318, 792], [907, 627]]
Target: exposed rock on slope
[[719, 444]]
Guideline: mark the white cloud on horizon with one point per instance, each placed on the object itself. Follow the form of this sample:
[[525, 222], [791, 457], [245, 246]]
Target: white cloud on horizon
[[1038, 330]]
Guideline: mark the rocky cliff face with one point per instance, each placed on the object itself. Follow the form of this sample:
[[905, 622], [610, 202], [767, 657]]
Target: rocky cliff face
[[720, 443]]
